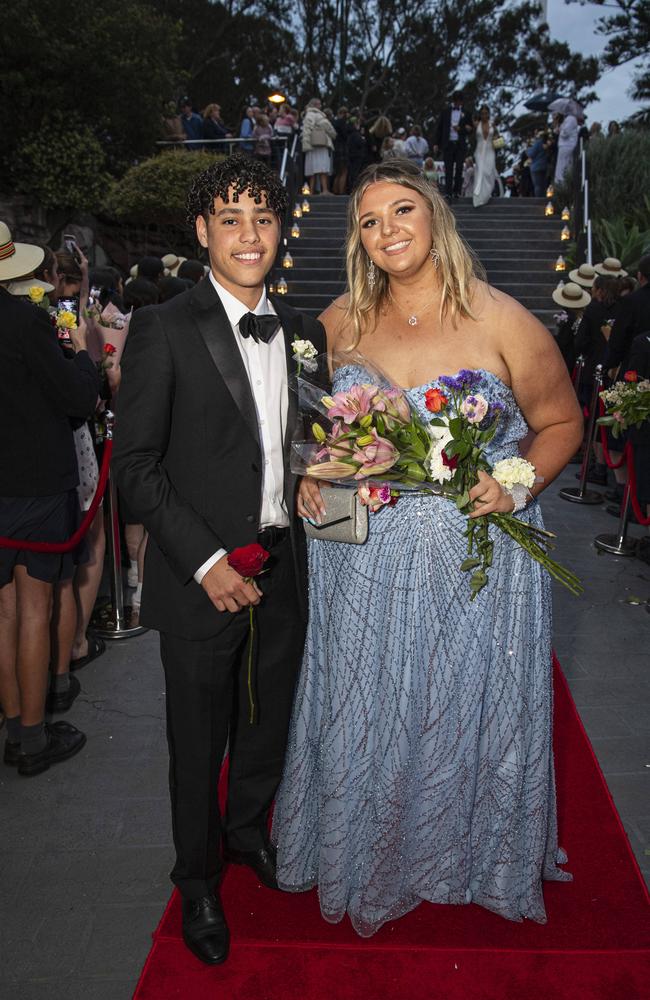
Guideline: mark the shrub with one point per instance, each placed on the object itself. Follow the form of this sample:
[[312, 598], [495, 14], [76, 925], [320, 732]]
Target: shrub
[[619, 176], [64, 168], [155, 191]]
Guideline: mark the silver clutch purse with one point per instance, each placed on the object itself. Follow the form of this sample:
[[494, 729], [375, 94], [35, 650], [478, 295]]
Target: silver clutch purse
[[345, 519]]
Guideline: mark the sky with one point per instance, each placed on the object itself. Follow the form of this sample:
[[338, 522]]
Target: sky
[[575, 24]]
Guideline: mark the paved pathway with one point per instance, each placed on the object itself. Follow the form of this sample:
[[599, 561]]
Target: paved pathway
[[85, 848]]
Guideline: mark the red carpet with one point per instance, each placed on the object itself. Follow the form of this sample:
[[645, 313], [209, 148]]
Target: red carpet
[[595, 946]]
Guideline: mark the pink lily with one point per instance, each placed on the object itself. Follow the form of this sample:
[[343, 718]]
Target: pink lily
[[375, 458], [355, 403]]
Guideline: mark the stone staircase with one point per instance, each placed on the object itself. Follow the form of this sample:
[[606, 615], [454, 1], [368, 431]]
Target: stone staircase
[[516, 244]]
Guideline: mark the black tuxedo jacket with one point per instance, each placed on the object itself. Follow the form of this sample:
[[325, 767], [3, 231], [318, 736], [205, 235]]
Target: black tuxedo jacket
[[187, 452], [444, 127], [40, 391]]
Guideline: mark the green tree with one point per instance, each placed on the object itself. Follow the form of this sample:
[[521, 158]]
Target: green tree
[[107, 67]]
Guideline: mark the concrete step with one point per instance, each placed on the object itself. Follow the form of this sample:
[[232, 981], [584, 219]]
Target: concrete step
[[321, 299], [335, 277]]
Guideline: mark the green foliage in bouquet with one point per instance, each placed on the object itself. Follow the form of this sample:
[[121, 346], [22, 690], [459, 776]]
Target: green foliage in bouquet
[[155, 191], [65, 169]]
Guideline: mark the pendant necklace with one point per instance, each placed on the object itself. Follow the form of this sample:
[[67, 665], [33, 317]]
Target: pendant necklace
[[412, 319]]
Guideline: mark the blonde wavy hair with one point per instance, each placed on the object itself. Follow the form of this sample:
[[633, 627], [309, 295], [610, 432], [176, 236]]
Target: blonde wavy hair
[[458, 268]]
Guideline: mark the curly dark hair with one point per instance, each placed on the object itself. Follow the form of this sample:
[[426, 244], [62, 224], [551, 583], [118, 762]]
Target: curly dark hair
[[242, 174]]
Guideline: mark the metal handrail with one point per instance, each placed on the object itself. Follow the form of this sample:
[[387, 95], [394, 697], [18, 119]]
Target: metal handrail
[[251, 140]]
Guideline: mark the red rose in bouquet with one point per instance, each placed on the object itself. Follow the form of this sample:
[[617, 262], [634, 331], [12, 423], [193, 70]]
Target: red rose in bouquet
[[109, 349], [631, 376], [435, 400], [248, 560]]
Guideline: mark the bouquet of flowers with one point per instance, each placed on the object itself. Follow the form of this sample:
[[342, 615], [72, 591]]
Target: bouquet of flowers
[[375, 441], [627, 403]]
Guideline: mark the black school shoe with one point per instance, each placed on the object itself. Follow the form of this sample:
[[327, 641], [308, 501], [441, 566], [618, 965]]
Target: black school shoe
[[60, 701], [205, 931], [63, 742]]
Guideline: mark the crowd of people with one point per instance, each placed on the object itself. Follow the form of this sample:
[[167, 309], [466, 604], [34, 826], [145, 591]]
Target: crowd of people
[[605, 321], [50, 412], [457, 151]]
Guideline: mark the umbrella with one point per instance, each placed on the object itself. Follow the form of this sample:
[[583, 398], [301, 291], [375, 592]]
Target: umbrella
[[566, 106], [541, 101]]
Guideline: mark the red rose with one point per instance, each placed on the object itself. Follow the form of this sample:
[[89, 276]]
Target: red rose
[[451, 463], [248, 560], [109, 349], [435, 400], [631, 376]]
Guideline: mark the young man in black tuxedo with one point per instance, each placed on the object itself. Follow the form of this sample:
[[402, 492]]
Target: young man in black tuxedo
[[205, 419], [453, 129]]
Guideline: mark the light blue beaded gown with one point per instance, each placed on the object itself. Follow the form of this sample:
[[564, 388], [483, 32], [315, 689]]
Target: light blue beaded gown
[[419, 764]]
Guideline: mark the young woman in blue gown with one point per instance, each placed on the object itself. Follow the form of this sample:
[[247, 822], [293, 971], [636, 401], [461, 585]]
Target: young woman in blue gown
[[420, 764]]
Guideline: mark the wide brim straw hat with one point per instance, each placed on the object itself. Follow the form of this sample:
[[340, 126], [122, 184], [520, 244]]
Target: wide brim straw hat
[[584, 275], [133, 271], [571, 296], [611, 266], [17, 259], [174, 270], [170, 261], [23, 285]]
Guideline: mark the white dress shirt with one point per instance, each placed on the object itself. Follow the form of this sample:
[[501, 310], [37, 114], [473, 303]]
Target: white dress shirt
[[266, 367]]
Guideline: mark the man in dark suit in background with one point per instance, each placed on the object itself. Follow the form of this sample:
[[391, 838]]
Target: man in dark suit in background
[[202, 458], [453, 129]]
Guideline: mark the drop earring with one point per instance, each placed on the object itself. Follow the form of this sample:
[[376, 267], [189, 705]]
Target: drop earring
[[435, 257], [372, 273]]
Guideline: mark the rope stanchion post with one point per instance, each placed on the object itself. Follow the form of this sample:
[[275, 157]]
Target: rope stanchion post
[[581, 494], [619, 544], [577, 375], [118, 621]]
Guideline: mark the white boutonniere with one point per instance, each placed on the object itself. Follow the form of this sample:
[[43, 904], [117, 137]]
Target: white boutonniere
[[305, 354]]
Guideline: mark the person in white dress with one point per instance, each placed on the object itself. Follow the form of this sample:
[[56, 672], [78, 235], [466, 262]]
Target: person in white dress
[[567, 141], [485, 171]]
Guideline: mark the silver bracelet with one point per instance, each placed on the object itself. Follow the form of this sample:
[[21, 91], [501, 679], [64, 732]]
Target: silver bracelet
[[519, 494]]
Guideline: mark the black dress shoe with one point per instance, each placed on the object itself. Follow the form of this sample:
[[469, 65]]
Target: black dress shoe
[[63, 742], [12, 752], [205, 931], [60, 701], [262, 862]]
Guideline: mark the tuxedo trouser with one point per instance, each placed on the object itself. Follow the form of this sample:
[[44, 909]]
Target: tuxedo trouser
[[208, 709], [454, 160]]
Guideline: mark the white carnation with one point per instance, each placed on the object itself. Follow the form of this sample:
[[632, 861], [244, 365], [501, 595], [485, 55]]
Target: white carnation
[[304, 349], [511, 472]]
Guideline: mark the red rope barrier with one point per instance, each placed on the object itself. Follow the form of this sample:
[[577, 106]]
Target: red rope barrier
[[60, 547], [631, 471]]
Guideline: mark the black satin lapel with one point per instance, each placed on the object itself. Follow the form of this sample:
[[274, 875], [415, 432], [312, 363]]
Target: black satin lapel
[[215, 328], [292, 329]]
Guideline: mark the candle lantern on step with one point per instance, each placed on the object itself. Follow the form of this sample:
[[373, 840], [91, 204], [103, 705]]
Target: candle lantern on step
[[281, 288], [287, 260], [295, 231], [271, 287], [305, 189], [297, 211], [305, 207], [549, 210], [549, 191], [565, 234], [566, 214], [560, 264]]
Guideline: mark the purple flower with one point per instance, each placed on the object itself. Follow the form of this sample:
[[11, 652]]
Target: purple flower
[[494, 412], [474, 408]]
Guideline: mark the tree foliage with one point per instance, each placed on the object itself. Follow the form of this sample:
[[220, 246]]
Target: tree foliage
[[155, 191], [628, 38]]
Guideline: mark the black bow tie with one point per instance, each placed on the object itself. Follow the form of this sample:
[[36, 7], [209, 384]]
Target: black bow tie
[[258, 327]]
